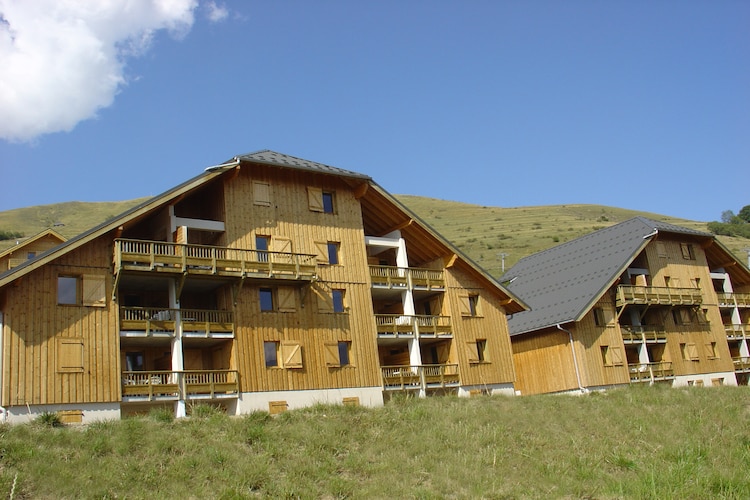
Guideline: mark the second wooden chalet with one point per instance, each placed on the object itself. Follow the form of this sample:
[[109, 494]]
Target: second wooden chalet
[[265, 283], [639, 302], [29, 248]]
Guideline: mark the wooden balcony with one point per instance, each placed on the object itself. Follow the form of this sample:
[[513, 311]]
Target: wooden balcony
[[643, 333], [420, 377], [159, 322], [741, 364], [654, 295], [736, 332], [734, 299], [651, 372], [165, 257], [399, 325], [173, 385], [407, 277]]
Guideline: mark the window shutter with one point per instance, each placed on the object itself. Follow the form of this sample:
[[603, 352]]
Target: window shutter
[[287, 299], [325, 301], [332, 353], [280, 244], [464, 304], [69, 354], [661, 249], [94, 290], [471, 352], [315, 199], [262, 193], [291, 353], [692, 351], [321, 251], [615, 355]]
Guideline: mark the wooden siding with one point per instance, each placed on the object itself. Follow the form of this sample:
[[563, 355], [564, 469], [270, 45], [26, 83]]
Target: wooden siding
[[490, 324], [543, 362], [590, 339], [34, 323], [288, 217]]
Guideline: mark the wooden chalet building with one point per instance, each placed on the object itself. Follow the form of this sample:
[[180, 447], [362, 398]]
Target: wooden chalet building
[[265, 283], [29, 248], [639, 302]]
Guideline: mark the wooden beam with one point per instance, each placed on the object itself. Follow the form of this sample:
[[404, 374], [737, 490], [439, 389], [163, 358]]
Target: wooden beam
[[450, 260], [399, 226], [360, 190]]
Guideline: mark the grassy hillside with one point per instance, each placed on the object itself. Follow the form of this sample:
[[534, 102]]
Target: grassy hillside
[[635, 442], [482, 232]]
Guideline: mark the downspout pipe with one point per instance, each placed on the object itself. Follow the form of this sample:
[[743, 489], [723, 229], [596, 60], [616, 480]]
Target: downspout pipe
[[575, 359], [3, 411]]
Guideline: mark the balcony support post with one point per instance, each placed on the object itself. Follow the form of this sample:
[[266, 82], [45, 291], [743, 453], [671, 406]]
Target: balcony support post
[[178, 361]]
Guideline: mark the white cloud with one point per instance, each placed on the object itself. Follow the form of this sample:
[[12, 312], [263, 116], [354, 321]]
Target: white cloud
[[216, 13], [63, 60]]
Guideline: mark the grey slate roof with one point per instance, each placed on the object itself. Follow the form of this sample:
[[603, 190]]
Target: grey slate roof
[[269, 157], [562, 283]]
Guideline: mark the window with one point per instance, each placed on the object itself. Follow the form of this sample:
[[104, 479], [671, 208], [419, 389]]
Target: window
[[266, 299], [134, 361], [327, 202], [331, 300], [333, 252], [337, 353], [344, 347], [687, 251], [70, 355], [599, 317], [477, 351], [271, 353], [262, 193], [689, 351], [612, 355], [470, 306], [338, 300], [67, 290], [261, 246], [321, 201]]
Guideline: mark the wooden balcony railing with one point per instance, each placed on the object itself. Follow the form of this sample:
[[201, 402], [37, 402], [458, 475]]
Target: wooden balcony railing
[[418, 377], [161, 256], [179, 384], [396, 325], [650, 372], [734, 299], [735, 331], [643, 333], [654, 295], [741, 364], [407, 277], [160, 321]]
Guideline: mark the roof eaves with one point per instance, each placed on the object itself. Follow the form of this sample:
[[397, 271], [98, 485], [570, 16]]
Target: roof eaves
[[86, 236]]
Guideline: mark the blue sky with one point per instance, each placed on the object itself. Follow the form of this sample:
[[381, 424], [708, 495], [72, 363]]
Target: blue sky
[[639, 104]]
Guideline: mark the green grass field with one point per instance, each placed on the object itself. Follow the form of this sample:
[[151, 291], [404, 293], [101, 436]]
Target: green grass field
[[635, 442]]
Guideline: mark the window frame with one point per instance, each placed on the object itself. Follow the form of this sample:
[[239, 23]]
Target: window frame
[[268, 347], [63, 292], [266, 292], [329, 202], [334, 253], [338, 299]]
